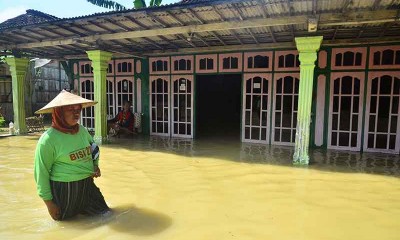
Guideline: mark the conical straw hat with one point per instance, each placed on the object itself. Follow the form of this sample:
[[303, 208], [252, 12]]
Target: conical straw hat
[[65, 98]]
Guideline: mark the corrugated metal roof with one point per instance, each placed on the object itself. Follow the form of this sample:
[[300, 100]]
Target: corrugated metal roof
[[334, 18]]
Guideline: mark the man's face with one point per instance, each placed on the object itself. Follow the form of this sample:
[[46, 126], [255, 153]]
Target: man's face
[[72, 114]]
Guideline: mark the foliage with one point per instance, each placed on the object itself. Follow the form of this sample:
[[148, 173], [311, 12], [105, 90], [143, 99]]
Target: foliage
[[2, 121], [108, 4], [137, 4]]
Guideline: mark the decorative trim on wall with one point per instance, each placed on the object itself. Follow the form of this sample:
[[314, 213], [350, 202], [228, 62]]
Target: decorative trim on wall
[[230, 62], [258, 61], [138, 66], [111, 68], [287, 60], [322, 59], [384, 57], [85, 68], [206, 63], [182, 64], [320, 111], [348, 58], [159, 65], [124, 66]]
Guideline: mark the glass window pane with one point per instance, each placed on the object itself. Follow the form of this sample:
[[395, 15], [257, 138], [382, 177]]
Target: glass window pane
[[263, 134], [277, 119], [336, 85], [395, 105], [336, 104], [278, 102], [354, 123], [392, 142], [374, 86], [334, 139], [248, 85], [257, 85], [381, 141], [383, 114], [188, 115], [347, 85], [386, 85], [182, 128], [286, 135], [265, 102], [356, 104], [264, 118], [373, 104], [354, 140], [265, 86], [288, 85], [344, 139], [396, 86], [371, 141], [247, 118], [247, 133], [248, 101], [255, 133], [277, 137], [345, 105], [371, 127], [335, 121], [279, 86], [393, 124]]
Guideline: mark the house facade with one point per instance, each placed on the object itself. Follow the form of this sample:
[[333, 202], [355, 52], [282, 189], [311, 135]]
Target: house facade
[[306, 73]]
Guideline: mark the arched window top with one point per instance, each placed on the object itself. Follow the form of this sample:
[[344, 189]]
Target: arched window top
[[124, 66], [348, 58], [85, 68], [206, 63], [287, 60], [384, 57], [159, 65], [230, 62], [258, 61], [182, 64]]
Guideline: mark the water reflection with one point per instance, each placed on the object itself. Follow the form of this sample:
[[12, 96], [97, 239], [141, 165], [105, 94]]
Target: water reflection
[[161, 188], [320, 159]]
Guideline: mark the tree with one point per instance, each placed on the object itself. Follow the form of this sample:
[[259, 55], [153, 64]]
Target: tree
[[137, 4]]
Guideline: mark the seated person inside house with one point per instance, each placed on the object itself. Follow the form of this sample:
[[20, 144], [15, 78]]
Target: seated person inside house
[[123, 122]]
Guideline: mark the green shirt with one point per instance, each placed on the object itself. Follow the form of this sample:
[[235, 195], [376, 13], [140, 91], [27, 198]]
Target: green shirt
[[62, 157]]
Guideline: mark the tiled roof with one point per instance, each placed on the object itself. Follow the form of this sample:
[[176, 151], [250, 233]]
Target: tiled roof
[[30, 17]]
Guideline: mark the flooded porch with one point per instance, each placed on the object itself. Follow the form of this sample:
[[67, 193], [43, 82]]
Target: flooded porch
[[163, 188]]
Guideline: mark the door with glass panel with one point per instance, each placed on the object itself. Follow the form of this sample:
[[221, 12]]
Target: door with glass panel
[[345, 111], [110, 99], [87, 91], [159, 102], [284, 120], [125, 89], [382, 126], [182, 102], [256, 108]]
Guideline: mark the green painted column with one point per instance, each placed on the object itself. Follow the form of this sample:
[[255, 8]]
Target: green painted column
[[100, 61], [307, 47], [18, 68]]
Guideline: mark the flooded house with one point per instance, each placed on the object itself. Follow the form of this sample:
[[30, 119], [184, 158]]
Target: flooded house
[[305, 73]]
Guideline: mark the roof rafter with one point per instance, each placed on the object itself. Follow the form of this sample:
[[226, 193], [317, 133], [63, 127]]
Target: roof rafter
[[197, 17], [326, 20]]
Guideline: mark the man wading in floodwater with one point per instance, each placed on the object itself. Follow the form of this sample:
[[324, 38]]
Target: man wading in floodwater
[[66, 160]]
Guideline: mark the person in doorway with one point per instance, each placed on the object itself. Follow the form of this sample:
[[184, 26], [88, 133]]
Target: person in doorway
[[122, 122], [67, 160]]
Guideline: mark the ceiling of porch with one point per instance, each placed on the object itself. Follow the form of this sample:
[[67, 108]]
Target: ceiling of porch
[[206, 25]]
